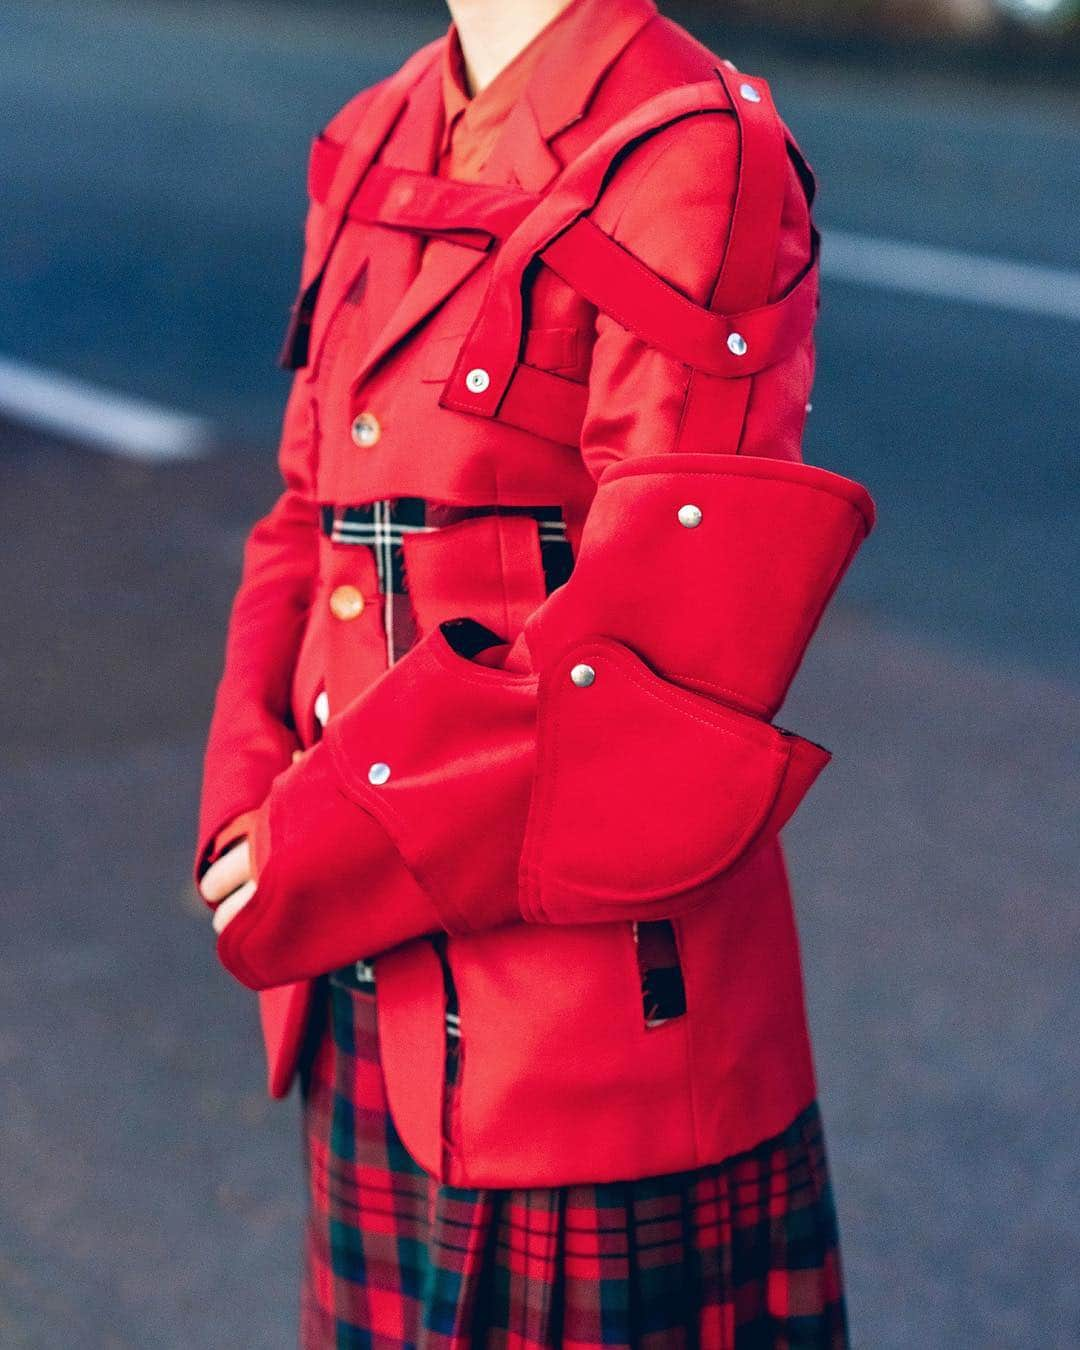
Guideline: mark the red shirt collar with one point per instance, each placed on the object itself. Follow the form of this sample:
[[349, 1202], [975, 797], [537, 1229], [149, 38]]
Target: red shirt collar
[[484, 111]]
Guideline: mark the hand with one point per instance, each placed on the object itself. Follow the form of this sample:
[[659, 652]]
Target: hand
[[228, 884]]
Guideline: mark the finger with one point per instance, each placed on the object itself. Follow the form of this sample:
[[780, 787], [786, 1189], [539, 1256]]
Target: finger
[[297, 754], [230, 908], [231, 870]]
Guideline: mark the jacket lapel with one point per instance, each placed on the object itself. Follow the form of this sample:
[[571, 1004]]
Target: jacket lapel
[[376, 124], [423, 276]]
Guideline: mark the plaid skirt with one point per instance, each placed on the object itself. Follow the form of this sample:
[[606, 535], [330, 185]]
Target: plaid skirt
[[742, 1254]]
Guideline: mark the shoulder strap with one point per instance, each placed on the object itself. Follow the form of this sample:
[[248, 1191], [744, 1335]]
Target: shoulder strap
[[493, 342], [714, 413], [738, 334]]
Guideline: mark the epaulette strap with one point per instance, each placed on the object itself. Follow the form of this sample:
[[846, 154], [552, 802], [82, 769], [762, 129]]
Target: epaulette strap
[[725, 343], [619, 284], [473, 214], [493, 343], [714, 412]]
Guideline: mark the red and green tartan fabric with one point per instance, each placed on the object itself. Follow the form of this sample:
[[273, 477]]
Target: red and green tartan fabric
[[740, 1255]]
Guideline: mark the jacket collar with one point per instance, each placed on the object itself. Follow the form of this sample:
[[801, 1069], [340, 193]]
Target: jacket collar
[[594, 34], [423, 277], [558, 93], [588, 40]]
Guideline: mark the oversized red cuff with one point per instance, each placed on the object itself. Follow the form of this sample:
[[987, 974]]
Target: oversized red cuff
[[612, 765], [647, 792], [331, 886]]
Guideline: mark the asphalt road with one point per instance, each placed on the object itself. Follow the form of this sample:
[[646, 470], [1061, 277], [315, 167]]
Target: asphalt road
[[150, 204]]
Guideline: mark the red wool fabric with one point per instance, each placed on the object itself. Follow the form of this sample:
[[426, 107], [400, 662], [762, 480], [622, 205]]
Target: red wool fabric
[[529, 815]]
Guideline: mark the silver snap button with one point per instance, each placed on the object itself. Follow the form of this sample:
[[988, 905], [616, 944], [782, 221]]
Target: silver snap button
[[477, 380], [582, 675], [749, 93], [690, 515], [378, 773], [736, 344], [322, 708]]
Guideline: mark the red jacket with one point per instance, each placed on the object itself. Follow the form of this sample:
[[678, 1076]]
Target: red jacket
[[616, 320]]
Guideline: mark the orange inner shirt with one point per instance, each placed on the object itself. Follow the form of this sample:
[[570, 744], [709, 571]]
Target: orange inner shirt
[[473, 122]]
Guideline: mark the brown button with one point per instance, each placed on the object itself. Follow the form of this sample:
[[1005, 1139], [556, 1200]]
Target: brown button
[[346, 603], [366, 430]]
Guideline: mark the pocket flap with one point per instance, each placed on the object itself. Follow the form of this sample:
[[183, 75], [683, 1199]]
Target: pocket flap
[[644, 790]]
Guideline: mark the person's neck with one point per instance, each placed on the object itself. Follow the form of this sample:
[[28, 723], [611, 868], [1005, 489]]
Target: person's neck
[[492, 33]]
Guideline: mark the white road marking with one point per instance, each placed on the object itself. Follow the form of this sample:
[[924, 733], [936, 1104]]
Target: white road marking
[[136, 429], [950, 274], [75, 410]]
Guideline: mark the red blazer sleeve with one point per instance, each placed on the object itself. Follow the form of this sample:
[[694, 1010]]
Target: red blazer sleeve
[[618, 756], [251, 739]]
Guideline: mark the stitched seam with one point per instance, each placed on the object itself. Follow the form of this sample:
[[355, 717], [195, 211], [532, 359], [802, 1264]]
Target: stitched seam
[[723, 473], [624, 469], [678, 698], [751, 708]]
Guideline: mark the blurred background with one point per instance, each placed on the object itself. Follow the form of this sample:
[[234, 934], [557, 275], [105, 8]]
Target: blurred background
[[151, 202]]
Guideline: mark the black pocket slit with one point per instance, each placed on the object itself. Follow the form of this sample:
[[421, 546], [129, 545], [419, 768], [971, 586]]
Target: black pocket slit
[[663, 994]]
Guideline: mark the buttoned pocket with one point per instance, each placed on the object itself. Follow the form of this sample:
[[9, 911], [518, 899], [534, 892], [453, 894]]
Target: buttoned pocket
[[646, 792]]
